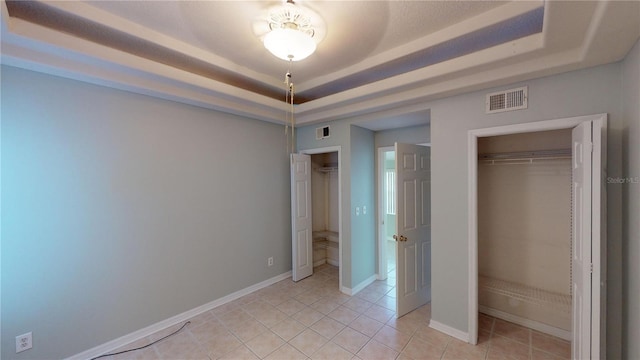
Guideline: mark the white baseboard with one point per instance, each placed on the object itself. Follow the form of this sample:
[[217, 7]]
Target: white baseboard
[[380, 277], [174, 320], [326, 261], [460, 335], [356, 289], [535, 325]]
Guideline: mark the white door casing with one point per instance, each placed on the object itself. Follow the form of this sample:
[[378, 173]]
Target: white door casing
[[413, 227], [588, 265], [301, 219], [581, 241], [382, 205], [599, 239]]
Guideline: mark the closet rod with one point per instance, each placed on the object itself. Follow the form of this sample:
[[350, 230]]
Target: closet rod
[[523, 155], [331, 167]]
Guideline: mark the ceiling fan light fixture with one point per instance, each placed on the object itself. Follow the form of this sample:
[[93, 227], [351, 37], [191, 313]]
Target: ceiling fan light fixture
[[291, 35], [289, 44]]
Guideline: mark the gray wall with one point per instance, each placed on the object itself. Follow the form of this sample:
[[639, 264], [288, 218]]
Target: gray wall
[[409, 135], [590, 91], [363, 226], [120, 210], [631, 205]]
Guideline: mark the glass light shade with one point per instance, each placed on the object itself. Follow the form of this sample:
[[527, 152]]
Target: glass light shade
[[289, 44]]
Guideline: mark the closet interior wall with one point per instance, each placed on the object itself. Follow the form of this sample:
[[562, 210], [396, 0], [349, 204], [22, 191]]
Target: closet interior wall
[[324, 199], [524, 229]]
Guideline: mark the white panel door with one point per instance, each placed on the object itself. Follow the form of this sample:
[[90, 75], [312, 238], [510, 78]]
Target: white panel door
[[301, 220], [581, 241], [413, 227], [588, 258]]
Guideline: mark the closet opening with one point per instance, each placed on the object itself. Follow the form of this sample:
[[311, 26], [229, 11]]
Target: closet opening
[[325, 209], [316, 212], [530, 290], [524, 231]]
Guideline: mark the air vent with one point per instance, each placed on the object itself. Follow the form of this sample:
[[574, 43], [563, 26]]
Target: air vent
[[514, 99], [322, 132]]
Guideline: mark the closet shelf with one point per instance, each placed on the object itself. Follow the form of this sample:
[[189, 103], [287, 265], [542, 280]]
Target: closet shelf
[[327, 169], [324, 244], [326, 234], [325, 239], [524, 157], [531, 295]]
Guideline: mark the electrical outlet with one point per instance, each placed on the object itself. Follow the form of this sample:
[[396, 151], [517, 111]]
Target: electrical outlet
[[24, 342], [270, 261]]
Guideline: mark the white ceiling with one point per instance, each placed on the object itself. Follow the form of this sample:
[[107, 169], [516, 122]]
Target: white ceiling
[[377, 61]]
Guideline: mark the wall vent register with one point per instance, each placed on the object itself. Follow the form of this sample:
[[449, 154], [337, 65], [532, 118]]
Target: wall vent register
[[322, 132], [507, 100]]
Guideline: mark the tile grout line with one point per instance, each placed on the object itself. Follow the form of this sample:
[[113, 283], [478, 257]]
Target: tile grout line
[[217, 318]]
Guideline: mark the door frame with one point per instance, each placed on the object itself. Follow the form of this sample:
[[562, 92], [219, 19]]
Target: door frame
[[382, 240], [472, 158], [382, 248], [324, 150]]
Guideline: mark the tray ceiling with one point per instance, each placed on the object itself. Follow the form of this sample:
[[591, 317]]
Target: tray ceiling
[[378, 60]]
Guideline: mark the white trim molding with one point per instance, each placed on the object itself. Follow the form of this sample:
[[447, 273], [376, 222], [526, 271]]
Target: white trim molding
[[356, 289], [531, 324], [446, 329], [174, 320]]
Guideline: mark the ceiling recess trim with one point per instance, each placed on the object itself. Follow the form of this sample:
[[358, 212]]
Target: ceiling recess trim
[[502, 32], [57, 19], [596, 35]]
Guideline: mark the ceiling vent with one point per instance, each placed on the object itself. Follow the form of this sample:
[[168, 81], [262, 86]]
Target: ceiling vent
[[507, 100], [322, 132]]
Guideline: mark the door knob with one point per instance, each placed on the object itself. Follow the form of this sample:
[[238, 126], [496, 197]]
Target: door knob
[[399, 238]]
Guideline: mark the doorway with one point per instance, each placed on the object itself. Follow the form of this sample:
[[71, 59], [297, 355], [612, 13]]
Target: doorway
[[386, 213], [588, 233], [316, 209], [404, 227]]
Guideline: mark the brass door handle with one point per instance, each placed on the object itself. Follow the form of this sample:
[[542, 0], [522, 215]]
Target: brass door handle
[[399, 238]]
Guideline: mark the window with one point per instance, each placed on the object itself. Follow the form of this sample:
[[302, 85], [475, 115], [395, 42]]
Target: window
[[390, 191]]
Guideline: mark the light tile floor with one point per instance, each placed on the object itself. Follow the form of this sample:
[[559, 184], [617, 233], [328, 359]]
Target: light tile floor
[[311, 319]]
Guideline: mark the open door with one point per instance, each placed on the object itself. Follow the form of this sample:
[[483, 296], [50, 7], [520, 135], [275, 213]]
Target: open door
[[413, 227], [588, 240], [301, 220]]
